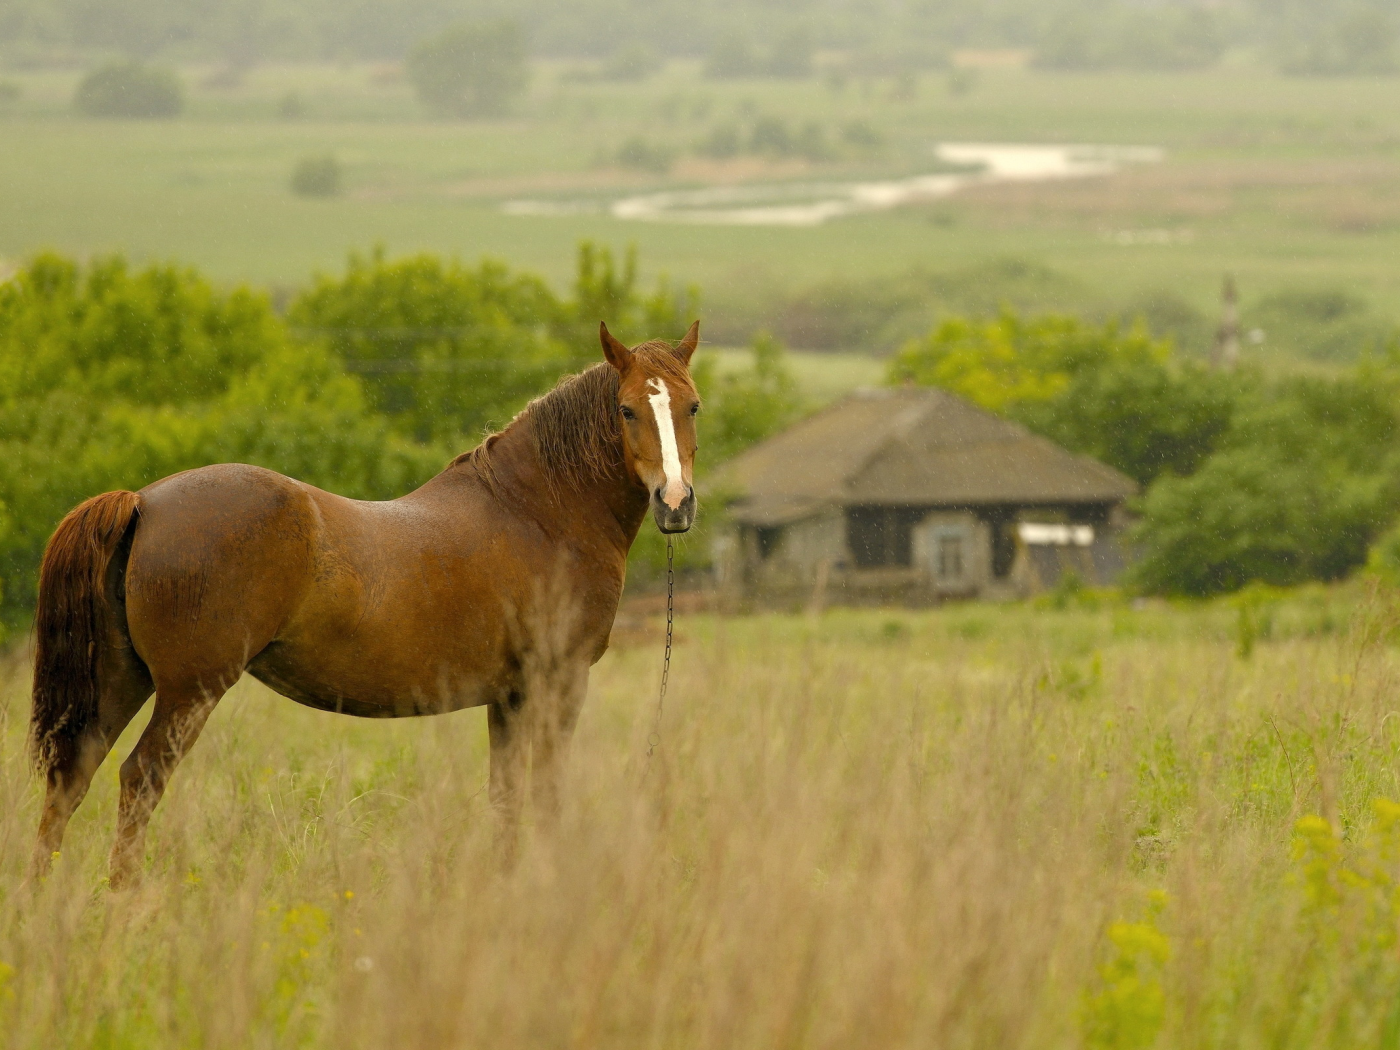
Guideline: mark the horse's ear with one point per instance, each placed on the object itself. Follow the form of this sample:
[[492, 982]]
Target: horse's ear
[[618, 355], [686, 346]]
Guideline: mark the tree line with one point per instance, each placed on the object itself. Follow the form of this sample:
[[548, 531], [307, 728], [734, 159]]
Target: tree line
[[737, 37], [113, 376], [372, 379], [1247, 476]]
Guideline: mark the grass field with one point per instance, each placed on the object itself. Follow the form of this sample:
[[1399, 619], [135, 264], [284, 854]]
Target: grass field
[[1008, 826], [1286, 183]]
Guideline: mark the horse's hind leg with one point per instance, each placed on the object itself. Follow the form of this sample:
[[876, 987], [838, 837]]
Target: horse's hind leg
[[126, 686], [179, 715]]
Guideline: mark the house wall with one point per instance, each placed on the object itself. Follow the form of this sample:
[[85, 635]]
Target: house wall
[[801, 548], [953, 549]]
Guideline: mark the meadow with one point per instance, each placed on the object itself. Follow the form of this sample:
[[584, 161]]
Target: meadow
[[1081, 822], [1287, 183]]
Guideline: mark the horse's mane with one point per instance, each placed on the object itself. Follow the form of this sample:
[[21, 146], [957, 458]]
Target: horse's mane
[[575, 427]]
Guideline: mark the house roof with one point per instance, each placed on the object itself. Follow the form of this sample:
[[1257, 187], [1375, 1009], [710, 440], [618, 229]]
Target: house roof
[[908, 446]]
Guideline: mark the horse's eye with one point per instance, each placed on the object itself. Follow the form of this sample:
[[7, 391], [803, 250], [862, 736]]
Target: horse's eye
[[695, 408], [628, 414]]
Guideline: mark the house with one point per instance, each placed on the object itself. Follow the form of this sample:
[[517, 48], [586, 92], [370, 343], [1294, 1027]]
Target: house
[[914, 495]]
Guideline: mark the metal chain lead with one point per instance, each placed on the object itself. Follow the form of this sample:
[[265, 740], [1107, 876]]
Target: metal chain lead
[[654, 737]]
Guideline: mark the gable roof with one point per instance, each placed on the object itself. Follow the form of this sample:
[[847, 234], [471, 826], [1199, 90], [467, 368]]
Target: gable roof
[[909, 446]]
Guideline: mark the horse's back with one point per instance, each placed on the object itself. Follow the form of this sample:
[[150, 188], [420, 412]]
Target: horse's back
[[221, 558]]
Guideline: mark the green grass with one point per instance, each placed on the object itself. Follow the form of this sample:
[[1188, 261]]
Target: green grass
[[820, 377], [1286, 183], [982, 825]]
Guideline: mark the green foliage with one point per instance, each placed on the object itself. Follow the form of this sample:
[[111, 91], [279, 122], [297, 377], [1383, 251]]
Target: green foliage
[[1113, 394], [446, 350], [1304, 481], [129, 89], [1344, 39], [1320, 324], [471, 69], [1384, 557], [645, 155], [1349, 913], [745, 406], [317, 177], [1126, 1010], [634, 61], [734, 55], [1165, 37], [605, 292], [111, 378]]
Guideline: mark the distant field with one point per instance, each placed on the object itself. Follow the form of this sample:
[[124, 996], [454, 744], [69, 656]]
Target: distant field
[[1286, 183], [980, 826], [820, 377]]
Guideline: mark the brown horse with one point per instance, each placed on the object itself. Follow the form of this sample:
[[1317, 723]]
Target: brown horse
[[494, 584]]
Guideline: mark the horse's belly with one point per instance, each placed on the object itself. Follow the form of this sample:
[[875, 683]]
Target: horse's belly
[[373, 689]]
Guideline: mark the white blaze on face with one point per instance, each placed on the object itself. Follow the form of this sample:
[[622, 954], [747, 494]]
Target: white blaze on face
[[674, 493]]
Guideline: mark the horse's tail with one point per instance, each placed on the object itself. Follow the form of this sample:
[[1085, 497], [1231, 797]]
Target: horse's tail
[[71, 625]]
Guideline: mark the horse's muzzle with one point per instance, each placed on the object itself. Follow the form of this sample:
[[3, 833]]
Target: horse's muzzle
[[678, 520]]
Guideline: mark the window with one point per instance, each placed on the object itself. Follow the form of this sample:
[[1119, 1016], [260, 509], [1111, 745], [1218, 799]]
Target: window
[[768, 540], [882, 537], [950, 558]]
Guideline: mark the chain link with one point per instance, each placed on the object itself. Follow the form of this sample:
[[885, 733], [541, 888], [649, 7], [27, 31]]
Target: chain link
[[654, 737]]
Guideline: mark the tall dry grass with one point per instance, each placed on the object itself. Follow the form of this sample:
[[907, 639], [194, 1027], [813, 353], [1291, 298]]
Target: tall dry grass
[[972, 828]]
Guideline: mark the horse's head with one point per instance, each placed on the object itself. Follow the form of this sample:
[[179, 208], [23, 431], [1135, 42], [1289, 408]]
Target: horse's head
[[657, 402]]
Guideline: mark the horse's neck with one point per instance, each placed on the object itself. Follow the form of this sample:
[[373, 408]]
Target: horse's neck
[[612, 507]]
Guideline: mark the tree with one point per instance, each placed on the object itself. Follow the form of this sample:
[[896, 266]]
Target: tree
[[113, 378], [472, 69], [446, 350], [1307, 478], [744, 406], [129, 89], [1114, 394]]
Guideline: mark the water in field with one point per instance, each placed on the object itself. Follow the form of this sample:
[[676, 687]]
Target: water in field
[[813, 203]]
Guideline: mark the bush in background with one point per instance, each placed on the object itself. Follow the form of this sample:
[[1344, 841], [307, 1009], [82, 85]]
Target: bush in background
[[317, 177], [130, 89], [474, 69], [643, 154], [443, 349], [113, 378], [632, 62], [1113, 393], [1303, 482]]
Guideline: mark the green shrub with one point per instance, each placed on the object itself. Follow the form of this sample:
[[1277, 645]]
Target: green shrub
[[771, 135], [732, 56], [317, 177], [114, 378], [130, 89], [632, 62], [291, 107], [1111, 393], [1320, 324], [445, 349], [638, 152], [721, 143], [1306, 478], [470, 70]]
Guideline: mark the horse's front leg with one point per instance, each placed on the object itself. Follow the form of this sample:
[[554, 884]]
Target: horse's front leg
[[555, 715], [510, 741]]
